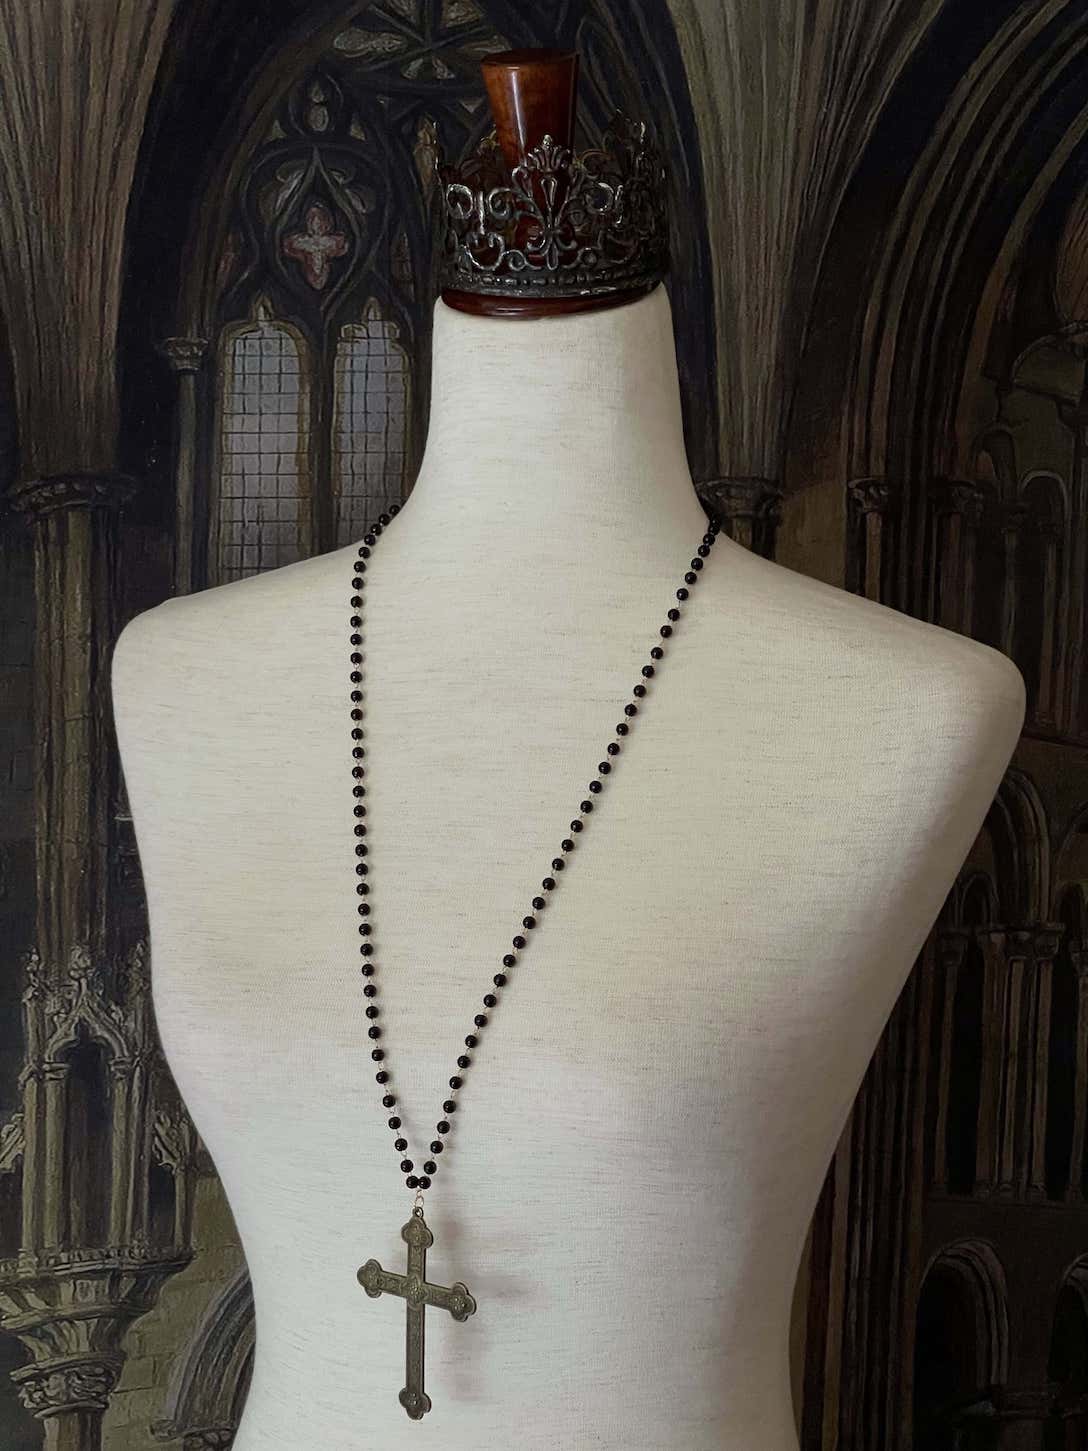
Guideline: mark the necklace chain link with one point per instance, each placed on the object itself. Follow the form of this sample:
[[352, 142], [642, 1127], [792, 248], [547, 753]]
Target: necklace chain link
[[419, 1181]]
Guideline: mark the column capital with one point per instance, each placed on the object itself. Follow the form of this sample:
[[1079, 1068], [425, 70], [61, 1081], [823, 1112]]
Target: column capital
[[957, 496], [741, 498], [185, 355], [951, 945], [211, 1438], [67, 1385], [874, 496], [38, 497]]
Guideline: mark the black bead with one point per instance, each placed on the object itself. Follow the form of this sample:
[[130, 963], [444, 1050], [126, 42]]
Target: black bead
[[356, 695], [647, 671], [356, 602], [456, 1082], [370, 990], [367, 968], [443, 1126], [690, 577], [437, 1146], [430, 1167], [464, 1061], [424, 1181], [388, 1100], [355, 658], [508, 959], [499, 979], [378, 1054], [355, 677], [490, 1000], [558, 863], [360, 831], [394, 1122], [703, 550], [528, 923], [480, 1020], [586, 806], [567, 844], [604, 767], [519, 941], [696, 563], [355, 621], [382, 1076], [623, 728], [665, 632], [400, 1145], [359, 791], [406, 1166], [639, 690], [613, 750], [656, 653], [471, 1040], [549, 885], [412, 1181], [372, 1011], [538, 902], [681, 594], [631, 709], [360, 810], [595, 786], [450, 1106]]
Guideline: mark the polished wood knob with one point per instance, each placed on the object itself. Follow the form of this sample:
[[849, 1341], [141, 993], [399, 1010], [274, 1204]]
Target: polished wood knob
[[532, 95]]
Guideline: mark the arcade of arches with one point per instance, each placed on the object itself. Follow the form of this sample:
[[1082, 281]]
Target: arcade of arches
[[215, 285]]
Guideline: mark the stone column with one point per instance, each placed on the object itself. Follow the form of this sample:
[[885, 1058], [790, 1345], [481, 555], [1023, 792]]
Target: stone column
[[749, 510], [1076, 419], [186, 357], [872, 503], [1032, 1168], [1015, 1061], [951, 948], [1078, 956], [956, 509], [1022, 1415], [1011, 520]]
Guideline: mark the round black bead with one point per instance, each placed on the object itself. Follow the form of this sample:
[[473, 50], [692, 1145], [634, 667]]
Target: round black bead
[[499, 979], [631, 709], [356, 695], [595, 786], [372, 1011], [437, 1146], [586, 806], [480, 1020], [519, 941], [558, 863], [443, 1126], [623, 728], [666, 631], [681, 594], [370, 990], [639, 690], [549, 886], [450, 1106], [400, 1145], [430, 1167], [393, 1122], [471, 1040], [613, 750], [509, 959], [690, 577], [528, 923], [464, 1061], [374, 1032], [703, 550], [412, 1181], [604, 767], [567, 844], [388, 1100], [381, 1076], [490, 1000], [378, 1054], [424, 1181], [647, 671], [656, 653], [538, 902], [456, 1082], [696, 563], [406, 1166]]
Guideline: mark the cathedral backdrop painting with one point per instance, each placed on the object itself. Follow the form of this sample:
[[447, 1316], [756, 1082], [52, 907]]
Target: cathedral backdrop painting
[[216, 286]]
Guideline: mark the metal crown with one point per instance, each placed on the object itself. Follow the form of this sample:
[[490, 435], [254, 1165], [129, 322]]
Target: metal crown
[[560, 223]]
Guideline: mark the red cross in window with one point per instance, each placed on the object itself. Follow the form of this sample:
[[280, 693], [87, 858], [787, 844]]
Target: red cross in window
[[317, 245]]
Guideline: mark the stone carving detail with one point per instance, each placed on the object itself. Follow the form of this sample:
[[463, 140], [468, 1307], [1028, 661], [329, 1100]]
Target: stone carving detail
[[86, 1385]]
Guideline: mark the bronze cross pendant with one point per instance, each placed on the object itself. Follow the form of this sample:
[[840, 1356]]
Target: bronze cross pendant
[[413, 1287]]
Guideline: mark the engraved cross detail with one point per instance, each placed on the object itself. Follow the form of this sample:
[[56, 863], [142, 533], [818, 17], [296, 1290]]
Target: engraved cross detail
[[316, 247], [414, 1288]]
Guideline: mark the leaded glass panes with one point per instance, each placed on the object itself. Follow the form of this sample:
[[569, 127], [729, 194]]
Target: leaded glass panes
[[371, 422], [261, 521]]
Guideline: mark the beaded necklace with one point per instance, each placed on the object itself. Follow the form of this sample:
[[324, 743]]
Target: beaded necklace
[[413, 1286]]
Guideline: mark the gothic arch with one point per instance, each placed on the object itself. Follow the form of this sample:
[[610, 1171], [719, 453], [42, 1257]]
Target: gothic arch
[[975, 1265], [208, 1389], [1018, 827]]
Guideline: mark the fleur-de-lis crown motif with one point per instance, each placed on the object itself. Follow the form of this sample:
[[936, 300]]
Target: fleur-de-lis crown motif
[[560, 223]]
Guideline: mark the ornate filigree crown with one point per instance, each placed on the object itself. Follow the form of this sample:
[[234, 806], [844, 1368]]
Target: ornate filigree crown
[[560, 224]]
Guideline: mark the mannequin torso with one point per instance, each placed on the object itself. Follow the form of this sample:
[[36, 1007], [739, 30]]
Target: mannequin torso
[[643, 1134]]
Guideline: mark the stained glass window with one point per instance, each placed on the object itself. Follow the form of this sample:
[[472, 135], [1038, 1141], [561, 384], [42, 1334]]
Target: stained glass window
[[371, 421], [260, 522]]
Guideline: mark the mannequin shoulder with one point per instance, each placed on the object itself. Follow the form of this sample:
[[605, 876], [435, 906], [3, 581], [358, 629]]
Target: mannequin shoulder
[[838, 654]]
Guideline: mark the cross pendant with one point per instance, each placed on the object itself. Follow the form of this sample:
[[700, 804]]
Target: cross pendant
[[414, 1288]]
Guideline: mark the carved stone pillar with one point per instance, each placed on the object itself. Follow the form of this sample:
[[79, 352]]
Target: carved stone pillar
[[186, 357], [1078, 956], [955, 510], [1015, 1061], [1011, 519], [749, 510], [1046, 704], [1032, 1136], [872, 502], [951, 948], [1076, 622], [1022, 1415], [73, 518]]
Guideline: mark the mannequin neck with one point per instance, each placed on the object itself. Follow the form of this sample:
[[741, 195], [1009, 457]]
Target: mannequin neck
[[561, 424]]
